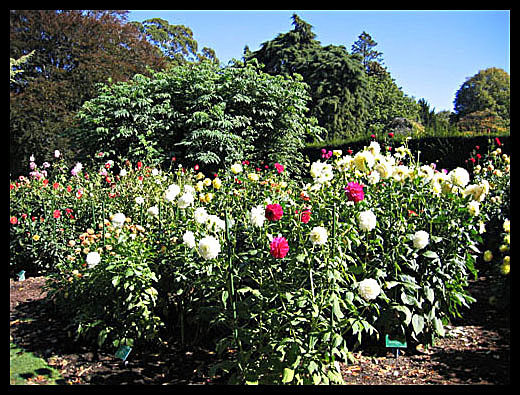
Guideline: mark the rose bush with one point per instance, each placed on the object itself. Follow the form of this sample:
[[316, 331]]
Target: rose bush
[[289, 276]]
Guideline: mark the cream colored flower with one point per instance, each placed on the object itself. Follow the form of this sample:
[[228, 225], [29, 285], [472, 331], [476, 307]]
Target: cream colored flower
[[318, 235], [421, 239], [369, 289], [209, 247], [367, 220]]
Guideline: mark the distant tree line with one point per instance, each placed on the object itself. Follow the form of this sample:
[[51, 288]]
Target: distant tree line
[[60, 58]]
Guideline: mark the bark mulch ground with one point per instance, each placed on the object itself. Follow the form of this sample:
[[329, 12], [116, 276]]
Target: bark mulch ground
[[476, 350]]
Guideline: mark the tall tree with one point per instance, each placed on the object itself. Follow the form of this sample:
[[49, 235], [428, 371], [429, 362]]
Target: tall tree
[[337, 82], [73, 50], [488, 91], [176, 42], [364, 46]]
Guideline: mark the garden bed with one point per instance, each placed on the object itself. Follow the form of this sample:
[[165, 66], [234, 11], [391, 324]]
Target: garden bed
[[476, 350]]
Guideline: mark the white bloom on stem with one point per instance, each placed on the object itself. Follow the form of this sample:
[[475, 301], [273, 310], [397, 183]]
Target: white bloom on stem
[[209, 247], [258, 216], [321, 172], [214, 223], [421, 239], [139, 200], [201, 215], [123, 173], [236, 168], [367, 220], [153, 211], [459, 177], [369, 289], [118, 220], [57, 154], [185, 200], [318, 235], [93, 258], [189, 239], [474, 208]]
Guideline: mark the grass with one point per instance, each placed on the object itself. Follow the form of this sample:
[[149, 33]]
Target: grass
[[27, 368]]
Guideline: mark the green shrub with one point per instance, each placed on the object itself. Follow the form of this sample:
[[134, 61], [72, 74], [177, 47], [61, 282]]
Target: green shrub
[[207, 115]]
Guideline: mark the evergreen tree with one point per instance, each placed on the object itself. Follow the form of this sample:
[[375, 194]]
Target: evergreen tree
[[338, 84], [364, 46]]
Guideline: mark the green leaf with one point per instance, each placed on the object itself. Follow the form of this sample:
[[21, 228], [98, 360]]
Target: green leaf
[[430, 254], [439, 327], [115, 281], [336, 309], [417, 323], [288, 375]]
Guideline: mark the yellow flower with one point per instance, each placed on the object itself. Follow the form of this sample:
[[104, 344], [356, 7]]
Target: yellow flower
[[503, 248], [208, 197], [199, 176], [217, 183], [36, 237], [253, 177], [488, 256], [199, 186], [506, 260], [506, 226], [206, 182], [505, 269], [236, 168]]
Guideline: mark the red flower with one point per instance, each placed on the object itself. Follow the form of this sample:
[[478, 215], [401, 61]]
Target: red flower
[[373, 136], [45, 182], [391, 134], [69, 188], [279, 167], [411, 213], [306, 216], [497, 140], [354, 192], [139, 165], [14, 220], [279, 247], [55, 185], [56, 214], [196, 167], [273, 212]]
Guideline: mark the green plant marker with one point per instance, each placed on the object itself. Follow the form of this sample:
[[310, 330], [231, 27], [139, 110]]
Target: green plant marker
[[122, 352], [395, 344], [21, 275]]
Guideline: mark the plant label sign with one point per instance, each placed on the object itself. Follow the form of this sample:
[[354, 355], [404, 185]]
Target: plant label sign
[[122, 352], [21, 275], [394, 343]]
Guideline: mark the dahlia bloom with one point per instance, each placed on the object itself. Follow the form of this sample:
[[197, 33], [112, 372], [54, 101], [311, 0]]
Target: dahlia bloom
[[318, 235], [369, 289], [367, 220], [209, 247], [273, 212], [354, 192], [421, 239], [279, 247]]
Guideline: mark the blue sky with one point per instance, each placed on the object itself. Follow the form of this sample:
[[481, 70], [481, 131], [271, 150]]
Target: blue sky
[[429, 53]]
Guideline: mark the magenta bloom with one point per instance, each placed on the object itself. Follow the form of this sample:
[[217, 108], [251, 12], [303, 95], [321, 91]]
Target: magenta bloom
[[279, 247], [354, 192], [273, 212], [279, 167]]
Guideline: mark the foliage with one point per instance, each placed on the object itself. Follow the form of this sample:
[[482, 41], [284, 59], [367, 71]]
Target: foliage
[[208, 115], [364, 46], [153, 254], [176, 42], [73, 49], [486, 91], [338, 84]]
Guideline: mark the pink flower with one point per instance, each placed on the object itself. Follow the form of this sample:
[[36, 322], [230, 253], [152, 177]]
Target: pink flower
[[279, 247], [14, 220], [280, 168], [273, 212], [306, 216], [497, 140], [56, 214], [354, 192]]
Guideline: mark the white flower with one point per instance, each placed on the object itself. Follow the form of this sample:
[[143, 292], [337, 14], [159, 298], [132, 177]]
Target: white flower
[[474, 208], [369, 289], [384, 168], [118, 220], [209, 247], [321, 172], [364, 160], [459, 177], [373, 177], [139, 200], [155, 172], [153, 211], [318, 235], [420, 239], [236, 168], [201, 215], [93, 258], [57, 153], [189, 189], [215, 223], [185, 200], [258, 216], [122, 173], [189, 239], [367, 220]]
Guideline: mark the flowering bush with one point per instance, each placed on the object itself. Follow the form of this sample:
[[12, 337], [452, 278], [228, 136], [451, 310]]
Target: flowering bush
[[290, 276]]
